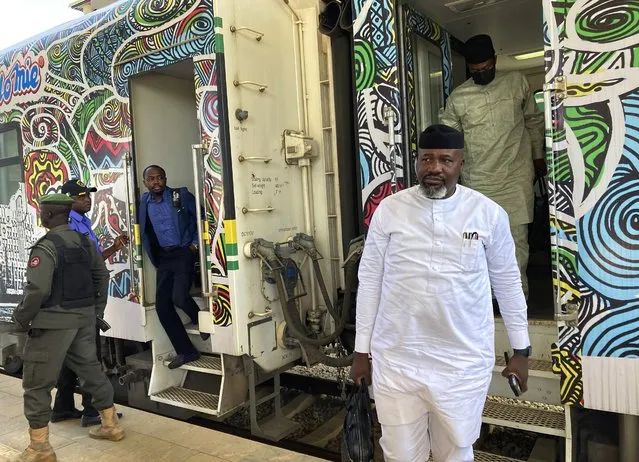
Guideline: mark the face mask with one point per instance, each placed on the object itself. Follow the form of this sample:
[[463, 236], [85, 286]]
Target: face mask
[[484, 77]]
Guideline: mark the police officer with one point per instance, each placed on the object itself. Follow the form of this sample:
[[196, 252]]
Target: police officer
[[59, 307], [64, 405]]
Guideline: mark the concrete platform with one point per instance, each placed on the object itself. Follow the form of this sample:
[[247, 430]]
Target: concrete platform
[[149, 437]]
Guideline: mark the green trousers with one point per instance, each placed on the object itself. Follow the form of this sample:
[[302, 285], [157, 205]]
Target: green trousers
[[520, 236], [45, 351]]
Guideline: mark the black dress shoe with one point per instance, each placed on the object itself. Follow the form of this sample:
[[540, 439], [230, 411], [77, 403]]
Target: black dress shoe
[[60, 416], [181, 360]]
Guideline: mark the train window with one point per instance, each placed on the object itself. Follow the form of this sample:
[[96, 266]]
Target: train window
[[429, 82], [10, 163]]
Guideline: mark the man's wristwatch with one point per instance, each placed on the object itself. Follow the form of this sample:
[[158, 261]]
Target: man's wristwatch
[[525, 352]]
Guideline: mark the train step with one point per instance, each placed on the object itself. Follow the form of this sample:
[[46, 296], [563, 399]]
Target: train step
[[205, 364], [194, 400], [520, 415], [481, 456]]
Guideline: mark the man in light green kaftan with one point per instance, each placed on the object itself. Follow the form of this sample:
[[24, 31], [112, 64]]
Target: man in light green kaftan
[[504, 135]]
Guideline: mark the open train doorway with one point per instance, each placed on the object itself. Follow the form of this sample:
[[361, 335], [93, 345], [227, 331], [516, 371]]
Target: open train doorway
[[432, 35], [165, 126]]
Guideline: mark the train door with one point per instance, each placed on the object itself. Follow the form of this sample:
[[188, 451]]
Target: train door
[[165, 127], [592, 114], [583, 280], [434, 66], [428, 82]]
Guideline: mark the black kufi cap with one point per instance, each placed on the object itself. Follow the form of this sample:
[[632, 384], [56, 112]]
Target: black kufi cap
[[441, 137], [478, 49]]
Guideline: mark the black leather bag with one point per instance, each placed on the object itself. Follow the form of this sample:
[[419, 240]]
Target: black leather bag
[[358, 442]]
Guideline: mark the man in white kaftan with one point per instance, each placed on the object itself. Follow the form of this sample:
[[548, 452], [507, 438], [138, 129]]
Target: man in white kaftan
[[424, 308], [504, 134]]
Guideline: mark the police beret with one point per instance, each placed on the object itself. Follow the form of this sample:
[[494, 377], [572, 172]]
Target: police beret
[[478, 49], [441, 137], [56, 199]]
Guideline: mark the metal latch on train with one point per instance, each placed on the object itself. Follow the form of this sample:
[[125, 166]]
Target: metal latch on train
[[297, 146], [559, 86], [569, 314]]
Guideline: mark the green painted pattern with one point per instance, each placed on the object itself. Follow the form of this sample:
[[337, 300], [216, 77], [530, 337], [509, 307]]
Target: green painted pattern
[[364, 65], [561, 170], [218, 24], [88, 107], [219, 43], [590, 127], [231, 249], [620, 21], [592, 66]]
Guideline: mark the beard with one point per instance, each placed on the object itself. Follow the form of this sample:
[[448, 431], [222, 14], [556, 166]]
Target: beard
[[433, 191]]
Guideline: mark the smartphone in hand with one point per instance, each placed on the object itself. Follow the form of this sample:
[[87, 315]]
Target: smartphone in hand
[[513, 380]]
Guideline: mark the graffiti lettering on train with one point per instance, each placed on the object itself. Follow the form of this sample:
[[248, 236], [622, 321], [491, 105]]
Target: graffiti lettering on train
[[22, 77], [79, 123], [19, 230]]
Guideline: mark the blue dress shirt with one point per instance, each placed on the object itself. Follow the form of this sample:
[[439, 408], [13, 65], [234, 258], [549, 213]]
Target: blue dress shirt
[[160, 214], [82, 224]]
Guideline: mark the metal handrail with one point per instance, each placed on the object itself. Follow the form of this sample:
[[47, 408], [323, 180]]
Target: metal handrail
[[206, 293], [129, 205]]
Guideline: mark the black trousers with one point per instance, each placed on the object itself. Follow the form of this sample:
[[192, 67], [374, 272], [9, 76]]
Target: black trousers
[[68, 380], [175, 271]]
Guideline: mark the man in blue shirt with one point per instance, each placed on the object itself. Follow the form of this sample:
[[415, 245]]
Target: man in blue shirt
[[78, 220], [64, 406], [168, 228]]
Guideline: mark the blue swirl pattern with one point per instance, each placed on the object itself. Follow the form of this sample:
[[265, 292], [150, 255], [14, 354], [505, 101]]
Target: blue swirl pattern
[[608, 235], [615, 333]]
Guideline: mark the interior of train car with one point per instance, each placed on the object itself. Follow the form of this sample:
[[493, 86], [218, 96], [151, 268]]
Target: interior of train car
[[516, 28], [163, 100]]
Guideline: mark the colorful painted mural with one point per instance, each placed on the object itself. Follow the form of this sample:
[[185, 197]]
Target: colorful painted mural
[[377, 85], [206, 84], [376, 88], [593, 153], [594, 148], [417, 23], [68, 92]]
